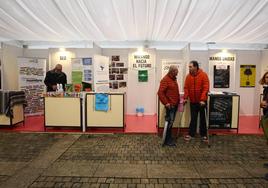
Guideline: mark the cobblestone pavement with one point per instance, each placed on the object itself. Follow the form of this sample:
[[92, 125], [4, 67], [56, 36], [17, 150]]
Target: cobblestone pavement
[[129, 160]]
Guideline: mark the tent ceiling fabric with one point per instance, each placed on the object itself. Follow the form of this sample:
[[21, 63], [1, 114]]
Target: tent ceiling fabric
[[225, 21]]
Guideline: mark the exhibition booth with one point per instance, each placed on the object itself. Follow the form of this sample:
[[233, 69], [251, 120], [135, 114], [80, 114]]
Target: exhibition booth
[[111, 89]]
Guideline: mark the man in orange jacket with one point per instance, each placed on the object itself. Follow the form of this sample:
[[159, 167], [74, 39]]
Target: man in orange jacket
[[169, 96], [196, 88]]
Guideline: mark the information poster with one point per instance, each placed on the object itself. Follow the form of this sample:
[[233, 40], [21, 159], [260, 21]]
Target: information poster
[[247, 75], [31, 81], [101, 73], [221, 76], [220, 111], [222, 71]]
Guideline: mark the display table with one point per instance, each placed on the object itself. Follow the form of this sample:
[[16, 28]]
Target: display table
[[183, 116], [223, 111], [63, 112], [12, 105], [18, 116], [114, 117]]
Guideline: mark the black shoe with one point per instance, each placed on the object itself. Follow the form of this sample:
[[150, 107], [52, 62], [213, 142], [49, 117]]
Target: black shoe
[[266, 177], [265, 165], [172, 144]]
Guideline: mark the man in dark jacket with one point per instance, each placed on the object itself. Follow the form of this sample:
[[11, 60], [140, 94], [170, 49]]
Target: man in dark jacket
[[196, 88], [54, 77], [170, 97]]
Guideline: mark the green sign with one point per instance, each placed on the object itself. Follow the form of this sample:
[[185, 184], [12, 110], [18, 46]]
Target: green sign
[[77, 77], [143, 75]]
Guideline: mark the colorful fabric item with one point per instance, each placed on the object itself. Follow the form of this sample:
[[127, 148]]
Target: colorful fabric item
[[101, 102]]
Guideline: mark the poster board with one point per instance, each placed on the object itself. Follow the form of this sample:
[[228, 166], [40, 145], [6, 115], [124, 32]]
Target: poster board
[[101, 74], [247, 75], [31, 77], [82, 72], [220, 111], [221, 76], [118, 73], [222, 71]]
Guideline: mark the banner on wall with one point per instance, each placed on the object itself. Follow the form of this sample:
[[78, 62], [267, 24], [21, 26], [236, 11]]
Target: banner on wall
[[165, 67], [31, 80], [247, 75], [101, 73], [222, 70], [221, 76], [141, 61]]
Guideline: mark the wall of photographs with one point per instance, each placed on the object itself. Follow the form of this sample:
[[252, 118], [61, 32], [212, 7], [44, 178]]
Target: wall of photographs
[[118, 71]]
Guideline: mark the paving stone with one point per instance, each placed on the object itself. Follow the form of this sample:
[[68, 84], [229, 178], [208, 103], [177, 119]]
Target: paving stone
[[145, 181], [70, 168], [132, 185], [123, 185], [8, 168], [121, 170], [113, 186], [135, 160], [171, 171], [222, 171], [101, 180], [104, 185]]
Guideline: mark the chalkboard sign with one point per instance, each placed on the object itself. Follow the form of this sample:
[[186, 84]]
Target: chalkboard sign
[[220, 111]]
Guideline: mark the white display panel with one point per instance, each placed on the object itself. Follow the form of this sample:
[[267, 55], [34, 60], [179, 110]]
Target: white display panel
[[222, 72], [101, 73]]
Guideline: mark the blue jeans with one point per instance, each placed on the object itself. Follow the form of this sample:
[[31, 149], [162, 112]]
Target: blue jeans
[[170, 118]]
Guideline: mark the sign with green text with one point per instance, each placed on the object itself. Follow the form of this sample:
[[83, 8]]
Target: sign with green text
[[143, 75]]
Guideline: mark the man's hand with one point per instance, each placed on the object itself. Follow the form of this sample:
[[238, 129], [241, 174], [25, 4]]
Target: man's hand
[[167, 105], [263, 104], [54, 87], [202, 103]]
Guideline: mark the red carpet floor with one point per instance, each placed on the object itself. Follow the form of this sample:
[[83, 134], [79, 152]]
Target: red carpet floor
[[134, 124]]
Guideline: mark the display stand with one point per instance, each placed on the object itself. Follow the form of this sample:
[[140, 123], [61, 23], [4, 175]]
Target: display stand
[[63, 112], [18, 116], [223, 111], [185, 119], [113, 118]]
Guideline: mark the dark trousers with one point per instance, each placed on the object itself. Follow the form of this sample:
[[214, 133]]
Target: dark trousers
[[170, 118], [195, 109]]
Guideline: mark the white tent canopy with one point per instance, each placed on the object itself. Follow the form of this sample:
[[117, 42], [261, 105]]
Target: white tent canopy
[[156, 21]]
